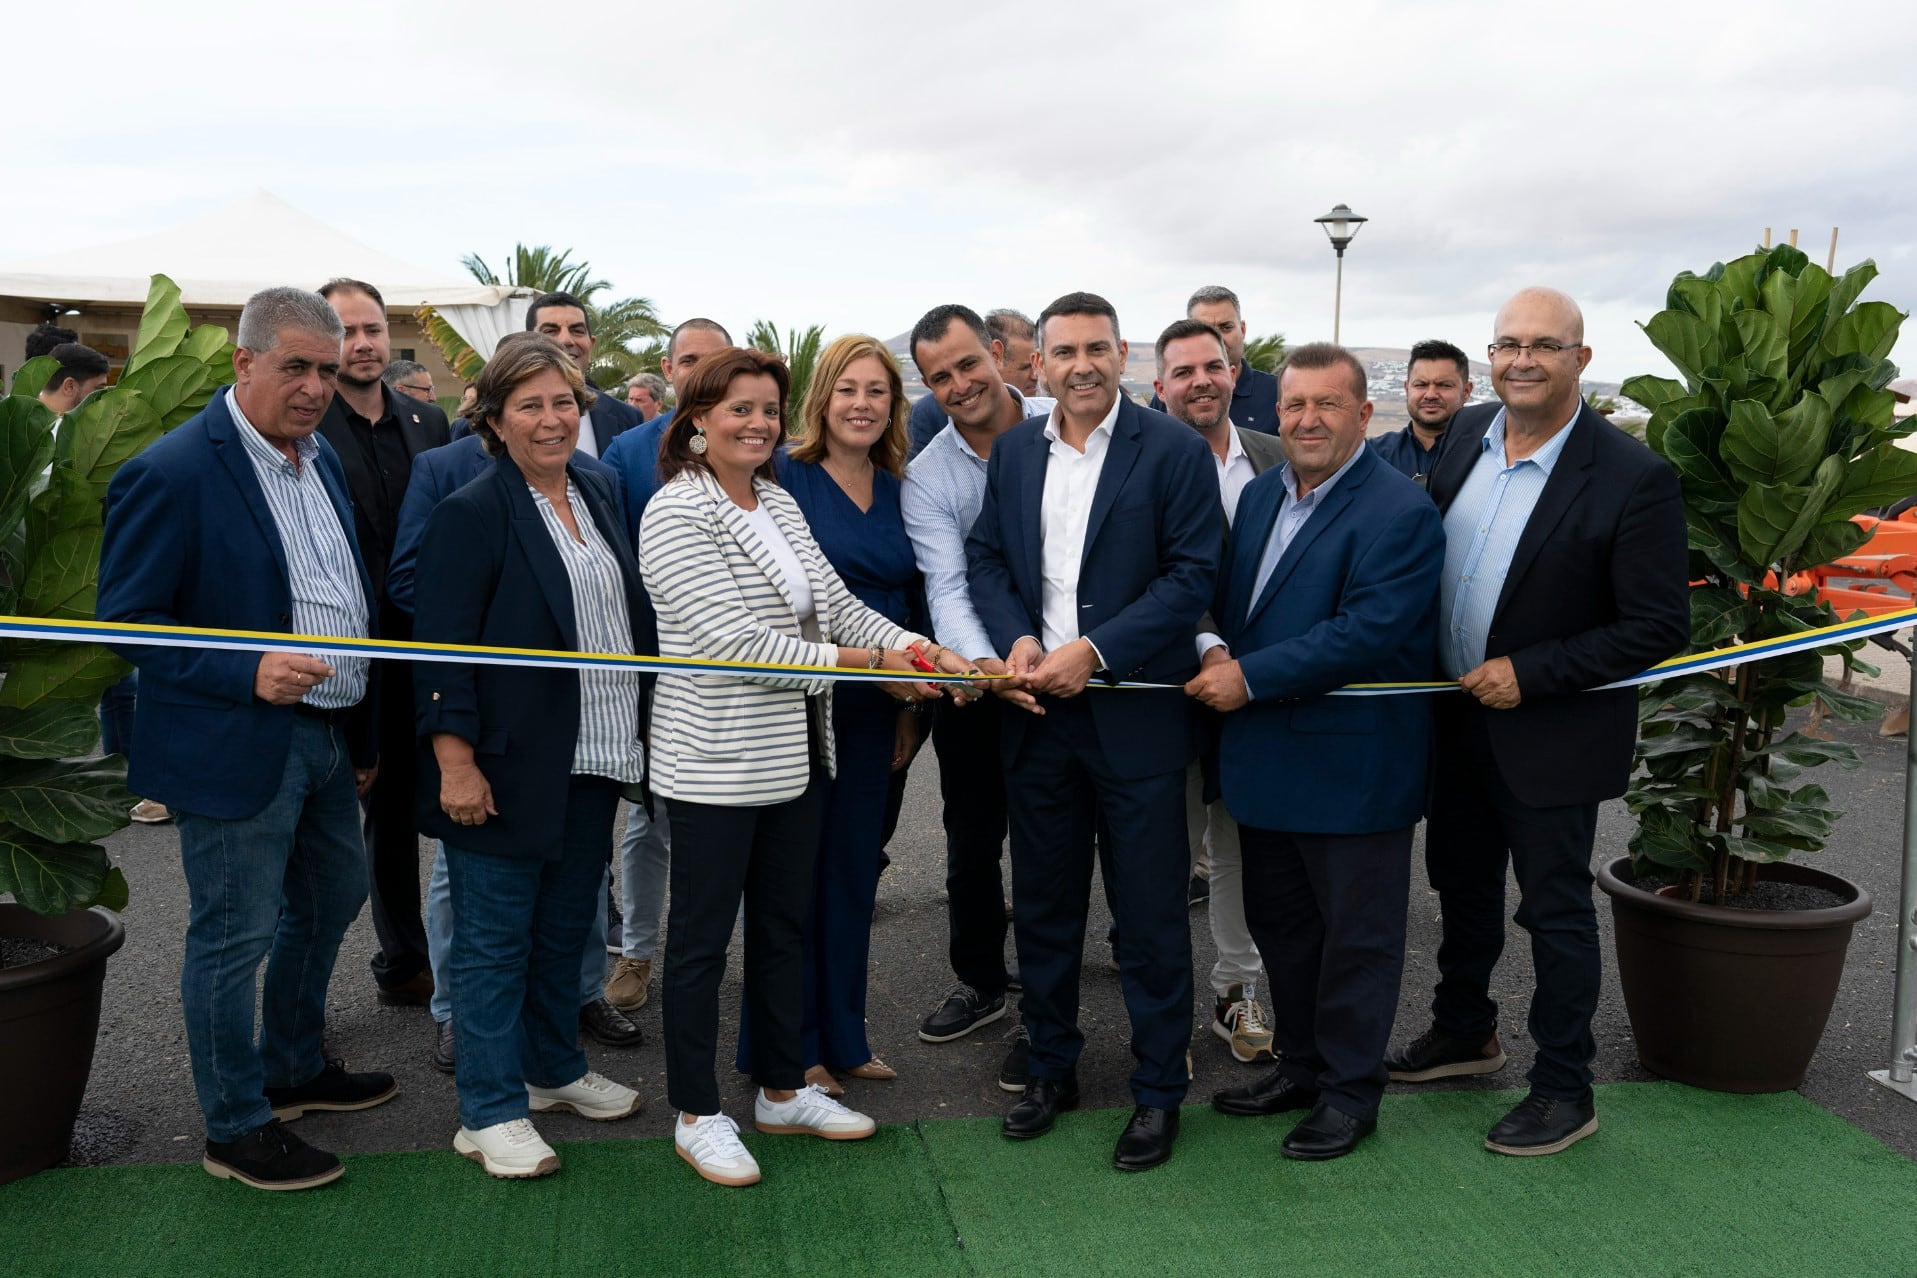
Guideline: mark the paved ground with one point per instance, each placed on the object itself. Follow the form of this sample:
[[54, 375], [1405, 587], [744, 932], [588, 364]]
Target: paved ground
[[140, 1105]]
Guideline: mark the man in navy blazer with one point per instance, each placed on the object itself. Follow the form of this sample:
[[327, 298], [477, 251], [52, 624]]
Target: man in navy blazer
[[1094, 554], [635, 455], [239, 520], [1566, 568], [564, 318], [1331, 578]]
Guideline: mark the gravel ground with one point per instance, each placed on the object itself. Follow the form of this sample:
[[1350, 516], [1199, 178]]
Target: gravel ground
[[140, 1105]]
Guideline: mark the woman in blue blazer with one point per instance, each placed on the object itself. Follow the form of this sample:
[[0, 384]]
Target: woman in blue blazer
[[522, 767], [844, 471]]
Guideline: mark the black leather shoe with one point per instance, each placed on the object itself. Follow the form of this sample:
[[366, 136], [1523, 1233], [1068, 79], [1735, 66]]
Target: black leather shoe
[[1147, 1140], [1272, 1094], [1541, 1125], [1436, 1054], [1044, 1100], [270, 1157], [415, 991], [333, 1089], [445, 1054], [608, 1025], [1326, 1132], [962, 1011]]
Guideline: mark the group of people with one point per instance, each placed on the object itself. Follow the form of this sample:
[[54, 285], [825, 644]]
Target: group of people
[[1125, 629]]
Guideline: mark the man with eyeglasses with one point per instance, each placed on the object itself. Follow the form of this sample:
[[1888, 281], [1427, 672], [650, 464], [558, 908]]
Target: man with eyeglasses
[[410, 378], [1565, 569], [1437, 382]]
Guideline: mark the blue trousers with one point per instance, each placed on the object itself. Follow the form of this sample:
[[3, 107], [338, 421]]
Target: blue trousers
[[281, 885], [439, 945], [838, 932], [515, 959]]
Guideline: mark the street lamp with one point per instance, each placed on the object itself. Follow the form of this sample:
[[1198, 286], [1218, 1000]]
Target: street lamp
[[1341, 224]]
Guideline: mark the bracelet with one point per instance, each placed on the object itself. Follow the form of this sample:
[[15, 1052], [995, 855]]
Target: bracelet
[[876, 658]]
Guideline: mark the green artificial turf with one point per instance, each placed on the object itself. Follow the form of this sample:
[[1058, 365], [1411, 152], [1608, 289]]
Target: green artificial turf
[[1676, 1181]]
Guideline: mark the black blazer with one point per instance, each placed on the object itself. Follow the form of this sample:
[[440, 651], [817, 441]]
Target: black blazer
[[488, 573], [421, 426], [1598, 590]]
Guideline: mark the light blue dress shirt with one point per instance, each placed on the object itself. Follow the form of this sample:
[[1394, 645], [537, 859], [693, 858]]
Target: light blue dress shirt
[[1481, 533]]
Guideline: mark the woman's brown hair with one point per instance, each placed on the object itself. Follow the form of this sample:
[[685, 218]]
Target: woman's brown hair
[[704, 390], [888, 450]]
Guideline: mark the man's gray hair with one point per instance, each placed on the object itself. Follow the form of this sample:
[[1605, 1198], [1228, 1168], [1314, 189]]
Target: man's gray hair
[[652, 382], [1005, 323], [1214, 293], [272, 309], [401, 368]]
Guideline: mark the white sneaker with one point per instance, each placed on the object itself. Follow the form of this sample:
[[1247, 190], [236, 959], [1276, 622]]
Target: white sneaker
[[810, 1113], [509, 1151], [591, 1096], [711, 1144]]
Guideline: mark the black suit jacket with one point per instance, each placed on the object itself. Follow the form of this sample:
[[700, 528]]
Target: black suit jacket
[[421, 426], [489, 574], [1598, 590]]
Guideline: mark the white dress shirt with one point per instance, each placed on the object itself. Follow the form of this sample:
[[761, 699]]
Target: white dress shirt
[[1234, 472], [1071, 480], [588, 442]]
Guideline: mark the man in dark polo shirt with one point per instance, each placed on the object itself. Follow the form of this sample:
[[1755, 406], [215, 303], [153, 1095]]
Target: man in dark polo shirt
[[377, 432], [1254, 392], [1437, 382]]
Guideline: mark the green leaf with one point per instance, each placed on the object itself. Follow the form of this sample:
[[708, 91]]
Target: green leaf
[[1680, 740], [1787, 258], [62, 574], [1690, 444], [1715, 539], [39, 670], [26, 446], [170, 383], [1760, 450], [1831, 540], [1702, 298], [163, 325], [1869, 330], [1849, 707], [113, 892], [1686, 341], [66, 802], [1848, 288], [1808, 314], [1719, 615], [53, 729], [1739, 278], [51, 878], [1809, 751], [33, 376], [209, 344], [1765, 341], [1653, 392], [104, 432], [1773, 520], [1884, 475], [1763, 851]]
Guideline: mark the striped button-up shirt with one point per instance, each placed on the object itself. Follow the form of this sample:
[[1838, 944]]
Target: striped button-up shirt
[[609, 743], [1481, 532], [321, 565]]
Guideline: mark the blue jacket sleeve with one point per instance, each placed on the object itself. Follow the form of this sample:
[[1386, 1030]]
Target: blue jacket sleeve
[[148, 542], [422, 494]]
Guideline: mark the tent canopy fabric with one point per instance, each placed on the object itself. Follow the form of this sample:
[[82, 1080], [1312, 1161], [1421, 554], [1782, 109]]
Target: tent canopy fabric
[[224, 257]]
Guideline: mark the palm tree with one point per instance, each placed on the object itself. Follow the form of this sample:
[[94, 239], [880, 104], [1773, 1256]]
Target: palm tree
[[625, 332], [1266, 353], [800, 352]]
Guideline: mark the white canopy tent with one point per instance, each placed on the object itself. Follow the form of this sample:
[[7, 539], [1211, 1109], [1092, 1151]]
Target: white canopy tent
[[221, 258]]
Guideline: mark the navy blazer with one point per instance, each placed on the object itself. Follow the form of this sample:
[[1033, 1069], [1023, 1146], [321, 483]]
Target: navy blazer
[[635, 457], [1152, 547], [437, 474], [611, 418], [181, 550], [1598, 590], [1354, 599], [490, 574]]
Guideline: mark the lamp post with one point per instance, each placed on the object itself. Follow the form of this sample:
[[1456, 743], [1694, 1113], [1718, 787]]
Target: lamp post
[[1341, 224]]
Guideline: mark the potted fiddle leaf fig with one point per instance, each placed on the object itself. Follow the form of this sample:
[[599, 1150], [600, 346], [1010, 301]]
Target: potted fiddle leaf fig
[[1781, 430], [56, 802]]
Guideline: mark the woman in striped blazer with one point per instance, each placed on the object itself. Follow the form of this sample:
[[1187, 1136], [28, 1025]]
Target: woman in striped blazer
[[743, 760]]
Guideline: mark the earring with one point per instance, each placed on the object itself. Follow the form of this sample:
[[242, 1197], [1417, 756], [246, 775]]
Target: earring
[[698, 441]]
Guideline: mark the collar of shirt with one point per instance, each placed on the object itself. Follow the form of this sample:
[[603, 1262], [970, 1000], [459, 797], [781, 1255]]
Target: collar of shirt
[[389, 411], [1104, 427], [1234, 448], [1289, 478], [1544, 458], [258, 446]]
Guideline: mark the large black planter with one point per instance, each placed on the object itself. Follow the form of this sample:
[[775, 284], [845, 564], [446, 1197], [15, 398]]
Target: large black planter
[[1730, 1000], [49, 1018]]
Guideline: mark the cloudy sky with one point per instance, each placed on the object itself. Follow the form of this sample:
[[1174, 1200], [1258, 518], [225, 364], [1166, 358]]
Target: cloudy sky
[[852, 164]]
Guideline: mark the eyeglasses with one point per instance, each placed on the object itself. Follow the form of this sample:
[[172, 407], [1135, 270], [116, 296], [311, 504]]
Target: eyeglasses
[[417, 392], [1509, 350]]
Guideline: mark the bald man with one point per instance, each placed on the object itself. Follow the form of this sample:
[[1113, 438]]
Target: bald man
[[1564, 570]]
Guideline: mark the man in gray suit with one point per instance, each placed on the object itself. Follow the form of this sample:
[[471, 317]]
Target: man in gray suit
[[1194, 381]]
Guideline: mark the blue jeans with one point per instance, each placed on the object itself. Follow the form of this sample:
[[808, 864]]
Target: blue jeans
[[645, 855], [439, 944], [515, 959], [282, 885]]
